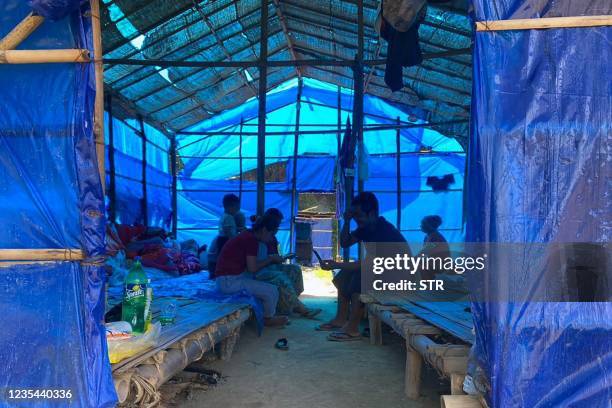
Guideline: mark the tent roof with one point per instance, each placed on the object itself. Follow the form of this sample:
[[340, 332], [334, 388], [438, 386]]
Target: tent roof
[[228, 30]]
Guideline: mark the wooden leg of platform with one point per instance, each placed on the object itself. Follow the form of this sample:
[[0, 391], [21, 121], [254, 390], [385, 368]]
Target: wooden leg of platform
[[375, 329], [456, 383], [414, 362], [228, 344]]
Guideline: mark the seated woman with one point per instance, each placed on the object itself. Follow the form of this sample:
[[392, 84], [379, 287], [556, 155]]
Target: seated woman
[[237, 263], [434, 244], [287, 277]]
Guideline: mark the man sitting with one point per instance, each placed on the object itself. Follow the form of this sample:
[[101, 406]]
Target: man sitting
[[370, 228]]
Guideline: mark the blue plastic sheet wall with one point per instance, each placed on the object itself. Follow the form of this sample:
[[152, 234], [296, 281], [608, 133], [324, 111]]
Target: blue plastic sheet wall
[[51, 197], [129, 194], [212, 164], [539, 166]]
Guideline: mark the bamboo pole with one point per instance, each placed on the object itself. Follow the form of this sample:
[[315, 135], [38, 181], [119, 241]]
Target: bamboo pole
[[21, 32], [542, 23], [68, 254], [99, 103], [43, 56]]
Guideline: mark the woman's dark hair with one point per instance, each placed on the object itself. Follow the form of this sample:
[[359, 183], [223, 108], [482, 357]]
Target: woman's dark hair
[[230, 199], [433, 220], [366, 201], [268, 222]]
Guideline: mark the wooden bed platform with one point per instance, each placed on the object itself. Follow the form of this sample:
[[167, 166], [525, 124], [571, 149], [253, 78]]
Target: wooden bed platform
[[439, 333], [199, 327]]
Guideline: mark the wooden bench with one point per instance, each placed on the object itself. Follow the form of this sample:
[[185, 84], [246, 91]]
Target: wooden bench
[[450, 360], [199, 327]]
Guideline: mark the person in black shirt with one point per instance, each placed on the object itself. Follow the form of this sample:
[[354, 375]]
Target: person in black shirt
[[371, 228]]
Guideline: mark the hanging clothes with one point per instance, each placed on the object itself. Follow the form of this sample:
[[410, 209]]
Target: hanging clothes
[[402, 36]]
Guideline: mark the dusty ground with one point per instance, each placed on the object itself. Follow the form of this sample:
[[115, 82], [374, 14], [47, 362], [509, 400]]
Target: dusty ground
[[314, 373]]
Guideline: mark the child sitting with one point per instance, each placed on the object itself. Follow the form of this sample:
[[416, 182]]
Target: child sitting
[[231, 223]]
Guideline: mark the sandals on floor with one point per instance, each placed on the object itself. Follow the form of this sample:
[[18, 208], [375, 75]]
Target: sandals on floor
[[282, 344], [342, 336], [327, 327], [311, 313]]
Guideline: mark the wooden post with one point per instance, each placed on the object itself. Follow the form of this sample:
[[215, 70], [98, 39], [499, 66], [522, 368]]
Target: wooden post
[[240, 158], [414, 362], [294, 201], [173, 162], [21, 31], [339, 250], [398, 161], [99, 75], [375, 324], [261, 117], [43, 56], [359, 89], [456, 383]]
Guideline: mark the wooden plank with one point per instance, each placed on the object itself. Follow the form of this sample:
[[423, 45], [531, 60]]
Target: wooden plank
[[448, 316], [460, 331], [68, 254], [21, 31], [544, 23], [459, 401], [43, 56]]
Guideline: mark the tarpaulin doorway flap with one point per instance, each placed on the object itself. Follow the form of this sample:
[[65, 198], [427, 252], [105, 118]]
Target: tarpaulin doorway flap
[[52, 336]]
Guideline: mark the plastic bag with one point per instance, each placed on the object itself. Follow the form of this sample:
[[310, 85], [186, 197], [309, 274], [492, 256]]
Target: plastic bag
[[119, 350]]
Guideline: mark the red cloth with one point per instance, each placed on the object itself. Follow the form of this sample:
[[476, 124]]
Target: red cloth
[[128, 232], [232, 259]]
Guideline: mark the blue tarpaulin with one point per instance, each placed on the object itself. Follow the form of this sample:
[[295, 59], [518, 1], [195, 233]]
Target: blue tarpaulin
[[212, 163], [128, 173], [52, 336], [539, 167]]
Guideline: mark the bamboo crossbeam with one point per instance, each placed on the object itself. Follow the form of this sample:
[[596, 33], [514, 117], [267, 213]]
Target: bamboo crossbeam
[[68, 254], [542, 23], [43, 56], [21, 32]]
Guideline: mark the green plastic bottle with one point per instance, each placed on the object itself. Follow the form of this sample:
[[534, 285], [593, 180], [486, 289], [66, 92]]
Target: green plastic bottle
[[136, 298]]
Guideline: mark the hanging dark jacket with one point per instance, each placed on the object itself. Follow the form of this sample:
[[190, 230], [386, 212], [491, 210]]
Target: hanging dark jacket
[[403, 50]]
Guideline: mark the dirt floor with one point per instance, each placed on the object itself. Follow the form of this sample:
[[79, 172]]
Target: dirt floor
[[314, 372]]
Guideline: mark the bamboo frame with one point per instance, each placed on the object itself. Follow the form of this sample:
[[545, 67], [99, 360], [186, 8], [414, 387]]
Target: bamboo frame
[[21, 31], [544, 23], [261, 117], [43, 56], [67, 254], [99, 102]]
